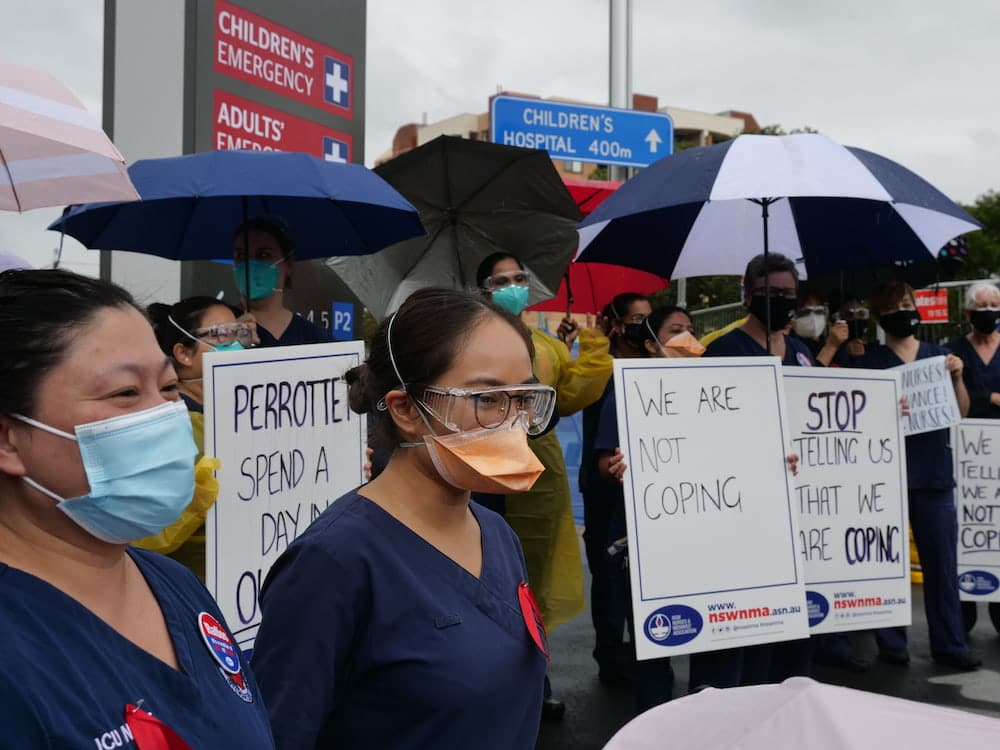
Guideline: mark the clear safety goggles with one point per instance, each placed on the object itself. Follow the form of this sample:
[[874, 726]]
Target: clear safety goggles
[[492, 407], [223, 333], [500, 280], [854, 313], [803, 312]]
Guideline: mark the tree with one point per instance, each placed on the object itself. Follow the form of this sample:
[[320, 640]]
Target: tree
[[983, 260], [776, 129]]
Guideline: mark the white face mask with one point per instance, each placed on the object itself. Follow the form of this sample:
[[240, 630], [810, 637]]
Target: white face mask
[[810, 326]]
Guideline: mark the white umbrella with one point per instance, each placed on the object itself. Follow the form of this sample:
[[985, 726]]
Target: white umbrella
[[802, 713]]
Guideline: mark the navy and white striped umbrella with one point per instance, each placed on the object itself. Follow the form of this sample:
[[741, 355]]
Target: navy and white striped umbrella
[[709, 210]]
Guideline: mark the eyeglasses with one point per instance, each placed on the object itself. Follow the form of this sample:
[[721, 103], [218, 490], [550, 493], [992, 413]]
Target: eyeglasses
[[804, 311], [500, 280], [776, 291], [224, 332], [853, 313], [491, 407]]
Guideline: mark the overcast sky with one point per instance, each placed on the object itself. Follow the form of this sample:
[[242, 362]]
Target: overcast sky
[[915, 81]]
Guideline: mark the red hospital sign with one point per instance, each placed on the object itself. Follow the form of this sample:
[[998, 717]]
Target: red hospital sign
[[262, 53], [932, 305], [241, 124]]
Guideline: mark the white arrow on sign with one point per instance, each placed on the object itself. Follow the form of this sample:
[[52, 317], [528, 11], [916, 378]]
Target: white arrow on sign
[[653, 139]]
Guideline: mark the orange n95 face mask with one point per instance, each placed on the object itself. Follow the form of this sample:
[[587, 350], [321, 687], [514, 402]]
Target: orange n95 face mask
[[683, 345], [497, 461]]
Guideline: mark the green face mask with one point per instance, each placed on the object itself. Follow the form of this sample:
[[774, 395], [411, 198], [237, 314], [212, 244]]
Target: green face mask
[[263, 279], [512, 297]]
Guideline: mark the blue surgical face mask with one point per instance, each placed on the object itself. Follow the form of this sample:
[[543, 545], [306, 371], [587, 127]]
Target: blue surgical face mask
[[229, 346], [512, 297], [263, 279], [140, 468]]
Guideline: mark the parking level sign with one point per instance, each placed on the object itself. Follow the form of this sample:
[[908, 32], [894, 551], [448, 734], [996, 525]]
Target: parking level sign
[[343, 321], [581, 132]]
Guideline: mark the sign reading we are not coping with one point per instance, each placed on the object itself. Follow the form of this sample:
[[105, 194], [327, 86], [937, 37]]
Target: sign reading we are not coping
[[279, 421], [976, 443], [709, 504], [850, 495]]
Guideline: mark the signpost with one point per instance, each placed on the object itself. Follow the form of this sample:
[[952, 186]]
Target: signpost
[[582, 132], [850, 495], [279, 422], [708, 505]]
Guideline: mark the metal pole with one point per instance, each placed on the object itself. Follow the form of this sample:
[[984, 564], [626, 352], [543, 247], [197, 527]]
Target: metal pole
[[620, 65], [682, 293]]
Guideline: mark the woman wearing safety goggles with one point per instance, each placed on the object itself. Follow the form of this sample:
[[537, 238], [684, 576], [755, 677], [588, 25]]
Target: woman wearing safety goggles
[[185, 332], [403, 593]]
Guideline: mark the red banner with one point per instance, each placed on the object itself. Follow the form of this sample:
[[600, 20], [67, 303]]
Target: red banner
[[273, 57], [932, 305], [242, 124]]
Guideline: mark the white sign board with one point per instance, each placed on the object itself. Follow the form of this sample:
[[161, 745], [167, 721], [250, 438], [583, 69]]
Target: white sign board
[[850, 494], [977, 473], [708, 499], [278, 420], [927, 386]]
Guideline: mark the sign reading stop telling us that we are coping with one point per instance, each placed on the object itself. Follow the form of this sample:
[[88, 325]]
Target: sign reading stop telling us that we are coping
[[279, 421], [712, 528], [850, 495]]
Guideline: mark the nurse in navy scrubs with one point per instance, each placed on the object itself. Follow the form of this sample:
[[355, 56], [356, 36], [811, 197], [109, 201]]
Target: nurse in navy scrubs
[[271, 259], [980, 351], [930, 483], [103, 644], [402, 618]]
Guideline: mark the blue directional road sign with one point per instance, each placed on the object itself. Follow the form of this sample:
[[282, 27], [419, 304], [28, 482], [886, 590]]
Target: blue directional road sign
[[580, 132]]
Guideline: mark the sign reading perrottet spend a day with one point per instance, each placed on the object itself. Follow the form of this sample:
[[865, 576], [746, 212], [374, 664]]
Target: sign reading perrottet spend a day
[[927, 386], [977, 472], [850, 495], [708, 499], [279, 421]]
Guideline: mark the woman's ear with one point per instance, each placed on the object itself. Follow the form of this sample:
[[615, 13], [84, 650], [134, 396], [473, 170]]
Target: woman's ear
[[405, 415], [652, 348], [12, 436], [182, 355]]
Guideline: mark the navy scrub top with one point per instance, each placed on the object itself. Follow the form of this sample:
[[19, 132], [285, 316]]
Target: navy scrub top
[[66, 676], [928, 455], [606, 439], [738, 343], [372, 638], [981, 378], [299, 331]]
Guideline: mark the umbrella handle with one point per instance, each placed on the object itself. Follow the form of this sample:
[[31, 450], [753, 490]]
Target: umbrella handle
[[569, 296]]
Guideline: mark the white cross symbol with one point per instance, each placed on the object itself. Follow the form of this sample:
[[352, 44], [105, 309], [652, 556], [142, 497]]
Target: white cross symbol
[[332, 152], [337, 82]]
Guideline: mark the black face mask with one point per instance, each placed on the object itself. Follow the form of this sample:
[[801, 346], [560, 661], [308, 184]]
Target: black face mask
[[856, 329], [634, 333], [901, 323], [782, 310], [984, 321]]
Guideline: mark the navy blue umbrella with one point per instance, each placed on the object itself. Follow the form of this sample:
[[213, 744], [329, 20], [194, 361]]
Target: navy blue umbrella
[[191, 205], [707, 211]]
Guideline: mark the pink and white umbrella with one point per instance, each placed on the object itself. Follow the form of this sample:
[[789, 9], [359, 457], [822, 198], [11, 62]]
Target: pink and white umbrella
[[52, 152]]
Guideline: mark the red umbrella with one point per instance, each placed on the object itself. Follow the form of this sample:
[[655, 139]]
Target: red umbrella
[[593, 285]]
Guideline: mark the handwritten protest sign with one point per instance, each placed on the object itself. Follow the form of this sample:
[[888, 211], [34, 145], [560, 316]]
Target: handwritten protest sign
[[977, 472], [927, 386], [708, 501], [850, 494], [278, 420]]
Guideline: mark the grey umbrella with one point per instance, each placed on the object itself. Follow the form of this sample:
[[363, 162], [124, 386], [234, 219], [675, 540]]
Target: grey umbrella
[[474, 198]]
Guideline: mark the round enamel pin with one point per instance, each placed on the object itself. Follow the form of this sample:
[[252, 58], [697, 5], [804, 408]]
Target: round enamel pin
[[222, 649]]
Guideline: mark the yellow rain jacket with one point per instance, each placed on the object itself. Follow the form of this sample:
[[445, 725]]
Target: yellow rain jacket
[[542, 518], [184, 539]]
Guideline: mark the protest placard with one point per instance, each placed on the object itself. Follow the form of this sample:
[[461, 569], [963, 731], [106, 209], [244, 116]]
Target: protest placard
[[708, 504], [850, 494], [279, 421], [927, 386], [976, 443]]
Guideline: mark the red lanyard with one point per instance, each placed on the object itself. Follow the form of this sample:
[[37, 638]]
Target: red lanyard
[[149, 733], [532, 618]]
